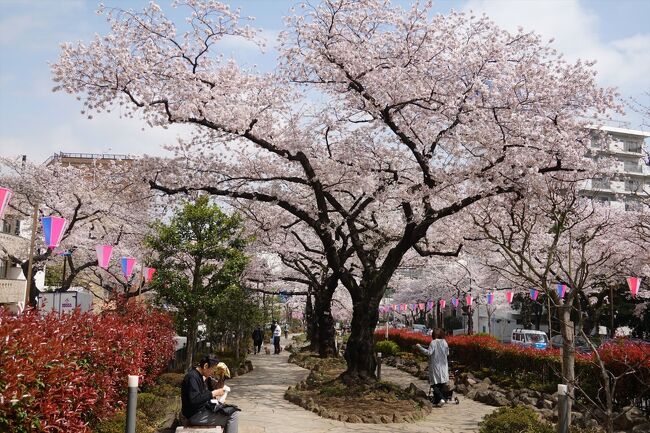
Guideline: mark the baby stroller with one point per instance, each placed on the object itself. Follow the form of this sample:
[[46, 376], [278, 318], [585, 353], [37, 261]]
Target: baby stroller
[[447, 394]]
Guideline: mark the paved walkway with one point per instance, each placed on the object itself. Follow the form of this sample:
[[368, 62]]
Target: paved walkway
[[260, 394]]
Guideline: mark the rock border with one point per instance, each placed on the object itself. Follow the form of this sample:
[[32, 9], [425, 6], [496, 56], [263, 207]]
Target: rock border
[[294, 395], [484, 391]]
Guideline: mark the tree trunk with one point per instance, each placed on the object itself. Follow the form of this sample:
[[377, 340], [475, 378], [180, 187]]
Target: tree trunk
[[470, 321], [437, 323], [33, 290], [568, 352], [359, 352], [192, 331], [324, 332], [312, 324]]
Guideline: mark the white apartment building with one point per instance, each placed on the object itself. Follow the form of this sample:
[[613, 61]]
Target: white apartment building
[[14, 240], [632, 172]]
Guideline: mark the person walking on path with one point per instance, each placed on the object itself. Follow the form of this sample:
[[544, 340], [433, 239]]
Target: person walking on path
[[195, 397], [277, 332], [286, 331], [437, 352], [258, 338]]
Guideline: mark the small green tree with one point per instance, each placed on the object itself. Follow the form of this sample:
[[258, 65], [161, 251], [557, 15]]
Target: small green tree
[[200, 253], [236, 313]]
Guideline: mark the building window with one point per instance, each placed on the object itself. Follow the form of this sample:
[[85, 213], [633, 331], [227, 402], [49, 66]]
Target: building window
[[603, 201], [632, 185], [598, 140], [633, 206], [3, 269], [600, 184], [632, 146], [632, 167]]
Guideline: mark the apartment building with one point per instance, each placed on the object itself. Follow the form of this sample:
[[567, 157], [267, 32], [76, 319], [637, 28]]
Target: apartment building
[[14, 240], [631, 179]]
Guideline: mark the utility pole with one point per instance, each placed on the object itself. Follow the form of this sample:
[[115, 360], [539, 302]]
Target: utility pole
[[28, 286], [611, 311]]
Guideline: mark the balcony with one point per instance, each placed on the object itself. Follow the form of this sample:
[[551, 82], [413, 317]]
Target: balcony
[[632, 167], [601, 184], [633, 186], [633, 146], [12, 291]]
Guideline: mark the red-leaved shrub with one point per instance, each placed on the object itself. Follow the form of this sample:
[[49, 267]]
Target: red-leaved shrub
[[64, 373], [483, 351]]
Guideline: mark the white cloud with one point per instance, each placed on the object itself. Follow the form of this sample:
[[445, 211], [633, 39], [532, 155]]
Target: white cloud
[[18, 27], [623, 63]]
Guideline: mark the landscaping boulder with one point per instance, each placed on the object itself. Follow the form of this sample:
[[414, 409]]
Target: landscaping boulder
[[494, 398], [645, 428], [461, 389], [630, 419], [413, 391]]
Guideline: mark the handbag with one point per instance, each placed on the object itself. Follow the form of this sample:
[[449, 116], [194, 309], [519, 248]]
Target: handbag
[[226, 409]]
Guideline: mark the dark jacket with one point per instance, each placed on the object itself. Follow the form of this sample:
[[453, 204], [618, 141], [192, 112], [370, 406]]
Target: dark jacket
[[194, 393], [258, 335]]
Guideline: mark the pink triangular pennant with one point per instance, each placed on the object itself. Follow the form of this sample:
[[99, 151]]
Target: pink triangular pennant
[[634, 283]]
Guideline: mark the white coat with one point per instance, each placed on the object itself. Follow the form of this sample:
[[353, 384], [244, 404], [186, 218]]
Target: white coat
[[437, 353]]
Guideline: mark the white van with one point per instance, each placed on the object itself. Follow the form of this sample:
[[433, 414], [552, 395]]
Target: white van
[[529, 338]]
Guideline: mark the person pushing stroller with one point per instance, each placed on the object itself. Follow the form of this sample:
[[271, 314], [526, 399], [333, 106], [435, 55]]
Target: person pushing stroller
[[438, 351]]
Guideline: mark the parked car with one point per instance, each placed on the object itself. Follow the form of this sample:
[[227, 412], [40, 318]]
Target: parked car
[[422, 329], [581, 345], [529, 338]]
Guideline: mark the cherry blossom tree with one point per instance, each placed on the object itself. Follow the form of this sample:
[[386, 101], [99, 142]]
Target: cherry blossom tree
[[416, 118], [300, 261], [558, 237], [97, 204]]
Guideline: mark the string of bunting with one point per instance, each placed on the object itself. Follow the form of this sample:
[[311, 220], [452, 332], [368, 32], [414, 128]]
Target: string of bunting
[[54, 230], [634, 283]]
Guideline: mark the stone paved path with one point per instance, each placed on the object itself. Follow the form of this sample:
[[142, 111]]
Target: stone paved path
[[260, 394]]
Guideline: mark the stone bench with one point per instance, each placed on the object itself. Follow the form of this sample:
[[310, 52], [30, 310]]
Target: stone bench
[[199, 429]]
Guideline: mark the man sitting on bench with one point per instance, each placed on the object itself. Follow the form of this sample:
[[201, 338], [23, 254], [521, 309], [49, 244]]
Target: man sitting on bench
[[195, 398]]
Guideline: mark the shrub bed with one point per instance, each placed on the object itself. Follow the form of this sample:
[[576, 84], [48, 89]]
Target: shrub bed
[[481, 352], [65, 373]]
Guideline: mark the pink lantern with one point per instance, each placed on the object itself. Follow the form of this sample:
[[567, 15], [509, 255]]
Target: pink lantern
[[469, 300], [421, 306], [127, 264], [148, 273], [634, 283], [5, 196], [509, 296], [442, 303], [53, 230], [104, 253], [392, 307], [533, 294], [490, 298]]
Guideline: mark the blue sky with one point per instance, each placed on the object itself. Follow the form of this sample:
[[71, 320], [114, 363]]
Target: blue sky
[[36, 122]]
